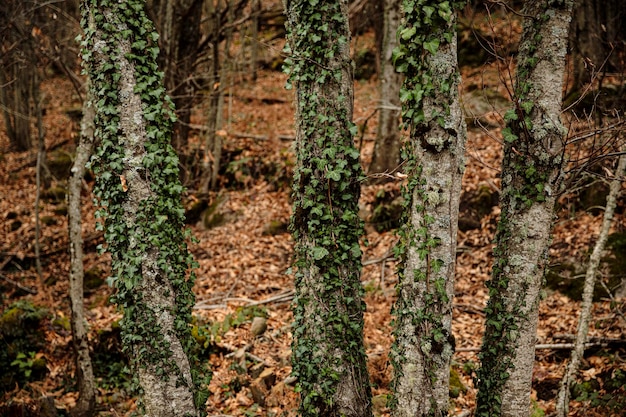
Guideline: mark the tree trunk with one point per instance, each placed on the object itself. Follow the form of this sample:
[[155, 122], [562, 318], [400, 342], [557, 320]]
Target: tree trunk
[[86, 404], [138, 184], [178, 25], [562, 401], [531, 176], [597, 36], [424, 343], [386, 157], [328, 354], [18, 68]]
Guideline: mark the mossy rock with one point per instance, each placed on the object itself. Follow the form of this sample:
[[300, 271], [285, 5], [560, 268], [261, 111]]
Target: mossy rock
[[111, 365], [48, 220], [215, 215], [364, 64], [22, 337], [92, 279], [475, 205], [60, 210], [275, 227], [194, 210], [388, 209], [456, 385], [59, 163], [54, 193]]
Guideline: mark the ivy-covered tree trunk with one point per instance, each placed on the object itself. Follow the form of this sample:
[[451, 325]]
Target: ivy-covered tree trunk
[[386, 157], [328, 353], [140, 191], [434, 164], [531, 174]]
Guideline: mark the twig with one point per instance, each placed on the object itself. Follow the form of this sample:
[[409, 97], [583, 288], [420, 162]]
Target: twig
[[18, 285], [547, 346]]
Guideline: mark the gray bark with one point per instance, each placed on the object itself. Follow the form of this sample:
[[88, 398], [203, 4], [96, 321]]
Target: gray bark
[[163, 396], [424, 343], [160, 360], [85, 406], [562, 401], [531, 175], [386, 157]]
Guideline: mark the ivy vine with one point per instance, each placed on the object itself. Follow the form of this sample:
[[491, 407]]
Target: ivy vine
[[426, 27], [325, 222], [159, 228], [529, 179]]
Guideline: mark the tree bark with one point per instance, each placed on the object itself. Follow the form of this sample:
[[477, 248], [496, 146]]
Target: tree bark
[[386, 157], [328, 354], [178, 25], [531, 176], [86, 403], [562, 400], [138, 184], [424, 343], [597, 36]]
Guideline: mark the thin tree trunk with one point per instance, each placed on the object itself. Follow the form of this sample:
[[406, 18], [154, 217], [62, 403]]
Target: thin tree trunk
[[41, 157], [328, 353], [137, 180], [562, 401], [531, 177], [386, 157], [86, 404], [424, 343]]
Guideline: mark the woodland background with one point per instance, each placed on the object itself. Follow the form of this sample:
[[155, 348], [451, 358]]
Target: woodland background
[[240, 213]]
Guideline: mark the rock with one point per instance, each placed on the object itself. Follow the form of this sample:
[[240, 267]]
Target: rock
[[259, 326]]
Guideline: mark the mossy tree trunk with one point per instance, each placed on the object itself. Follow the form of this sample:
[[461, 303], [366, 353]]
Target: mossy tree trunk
[[531, 174], [434, 164], [328, 353], [85, 406], [140, 192], [386, 157]]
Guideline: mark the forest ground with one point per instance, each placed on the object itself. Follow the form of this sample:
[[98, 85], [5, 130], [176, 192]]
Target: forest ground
[[244, 255]]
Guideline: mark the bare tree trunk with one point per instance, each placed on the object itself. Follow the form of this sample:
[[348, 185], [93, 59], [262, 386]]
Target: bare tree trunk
[[18, 64], [137, 180], [562, 400], [328, 353], [86, 404], [386, 157], [424, 343], [531, 177], [597, 35]]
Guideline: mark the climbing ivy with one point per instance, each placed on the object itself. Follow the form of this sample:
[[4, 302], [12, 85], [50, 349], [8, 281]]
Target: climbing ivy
[[325, 222], [426, 26], [531, 174], [159, 227]]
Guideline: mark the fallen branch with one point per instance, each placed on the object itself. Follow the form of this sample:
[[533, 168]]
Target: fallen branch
[[18, 285], [550, 346]]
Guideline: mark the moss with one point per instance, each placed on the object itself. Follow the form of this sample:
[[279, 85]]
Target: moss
[[21, 335], [275, 227], [456, 385], [48, 220], [59, 163], [54, 193], [387, 212], [60, 210]]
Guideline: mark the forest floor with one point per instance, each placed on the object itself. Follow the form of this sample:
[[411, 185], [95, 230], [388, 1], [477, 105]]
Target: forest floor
[[245, 254]]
